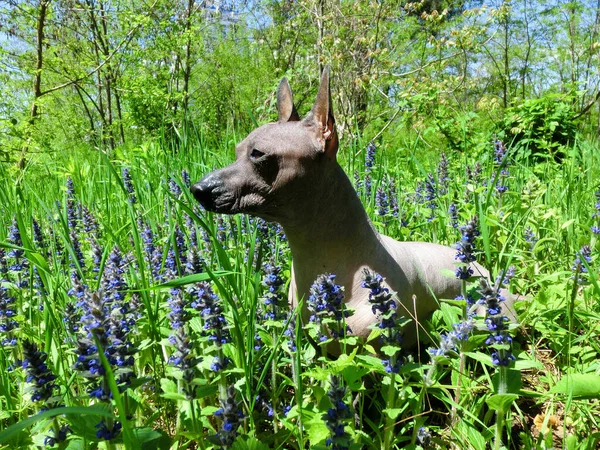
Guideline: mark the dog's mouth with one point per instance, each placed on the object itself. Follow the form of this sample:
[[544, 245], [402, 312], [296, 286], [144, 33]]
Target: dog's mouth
[[216, 197], [219, 203]]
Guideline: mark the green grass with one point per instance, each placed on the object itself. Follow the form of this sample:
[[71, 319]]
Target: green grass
[[547, 398]]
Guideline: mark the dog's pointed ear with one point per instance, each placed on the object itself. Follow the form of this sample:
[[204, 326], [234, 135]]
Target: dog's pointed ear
[[322, 114], [285, 103]]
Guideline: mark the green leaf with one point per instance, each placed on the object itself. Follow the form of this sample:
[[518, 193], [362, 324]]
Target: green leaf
[[13, 430], [482, 358], [567, 223], [343, 361], [389, 350], [189, 279], [315, 427], [248, 443], [513, 381], [501, 402], [578, 385], [168, 386], [393, 413], [170, 390], [151, 439]]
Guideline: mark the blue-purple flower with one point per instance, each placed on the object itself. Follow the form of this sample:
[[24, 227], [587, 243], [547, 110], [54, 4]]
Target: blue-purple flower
[[423, 437], [582, 257], [474, 173], [455, 339], [370, 156], [275, 307], [327, 307], [382, 201], [453, 215], [72, 219], [595, 228], [38, 238], [530, 238], [337, 416], [465, 249], [106, 431], [20, 264], [431, 194], [8, 324], [128, 183], [500, 161], [39, 375], [496, 322], [442, 174], [384, 307], [231, 416]]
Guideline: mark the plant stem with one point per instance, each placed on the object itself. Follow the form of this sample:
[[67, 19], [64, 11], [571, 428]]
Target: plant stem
[[462, 358], [274, 397], [389, 422]]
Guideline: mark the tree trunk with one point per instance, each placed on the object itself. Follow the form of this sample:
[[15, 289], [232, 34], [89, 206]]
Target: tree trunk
[[37, 81]]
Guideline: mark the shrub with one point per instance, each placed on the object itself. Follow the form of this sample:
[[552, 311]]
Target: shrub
[[540, 128]]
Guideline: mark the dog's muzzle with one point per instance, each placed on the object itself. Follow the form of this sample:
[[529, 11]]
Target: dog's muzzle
[[206, 191]]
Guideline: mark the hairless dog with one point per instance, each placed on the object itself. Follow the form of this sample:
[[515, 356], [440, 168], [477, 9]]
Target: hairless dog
[[287, 172]]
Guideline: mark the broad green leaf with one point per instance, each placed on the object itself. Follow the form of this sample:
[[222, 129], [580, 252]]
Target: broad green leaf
[[13, 430], [501, 402], [578, 385], [151, 439]]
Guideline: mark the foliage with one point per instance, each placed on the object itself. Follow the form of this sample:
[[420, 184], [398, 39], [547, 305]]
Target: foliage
[[206, 353], [120, 72], [541, 127], [132, 318]]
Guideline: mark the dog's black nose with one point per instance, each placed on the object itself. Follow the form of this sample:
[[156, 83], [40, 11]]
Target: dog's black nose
[[203, 191]]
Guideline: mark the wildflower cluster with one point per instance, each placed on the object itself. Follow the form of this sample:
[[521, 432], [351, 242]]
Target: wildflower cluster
[[231, 416], [384, 307], [369, 163], [423, 437], [474, 178], [20, 264], [43, 388], [453, 215], [496, 322], [337, 416], [275, 306], [152, 252], [8, 324], [579, 266], [431, 195], [596, 216], [501, 163], [128, 183], [327, 307], [386, 199], [454, 340], [530, 238], [107, 321], [382, 200], [442, 174], [215, 324], [183, 357], [39, 375], [466, 249]]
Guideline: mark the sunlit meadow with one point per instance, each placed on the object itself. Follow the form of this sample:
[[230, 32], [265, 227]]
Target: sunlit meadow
[[131, 318]]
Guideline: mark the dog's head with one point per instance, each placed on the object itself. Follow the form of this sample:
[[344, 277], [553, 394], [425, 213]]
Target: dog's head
[[277, 163]]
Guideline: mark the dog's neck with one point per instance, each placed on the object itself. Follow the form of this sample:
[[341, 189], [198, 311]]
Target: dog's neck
[[331, 234]]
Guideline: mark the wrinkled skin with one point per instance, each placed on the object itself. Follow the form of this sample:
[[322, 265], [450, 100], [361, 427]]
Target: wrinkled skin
[[287, 172]]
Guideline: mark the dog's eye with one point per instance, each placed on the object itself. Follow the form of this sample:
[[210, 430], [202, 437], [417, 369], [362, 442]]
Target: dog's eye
[[256, 154]]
